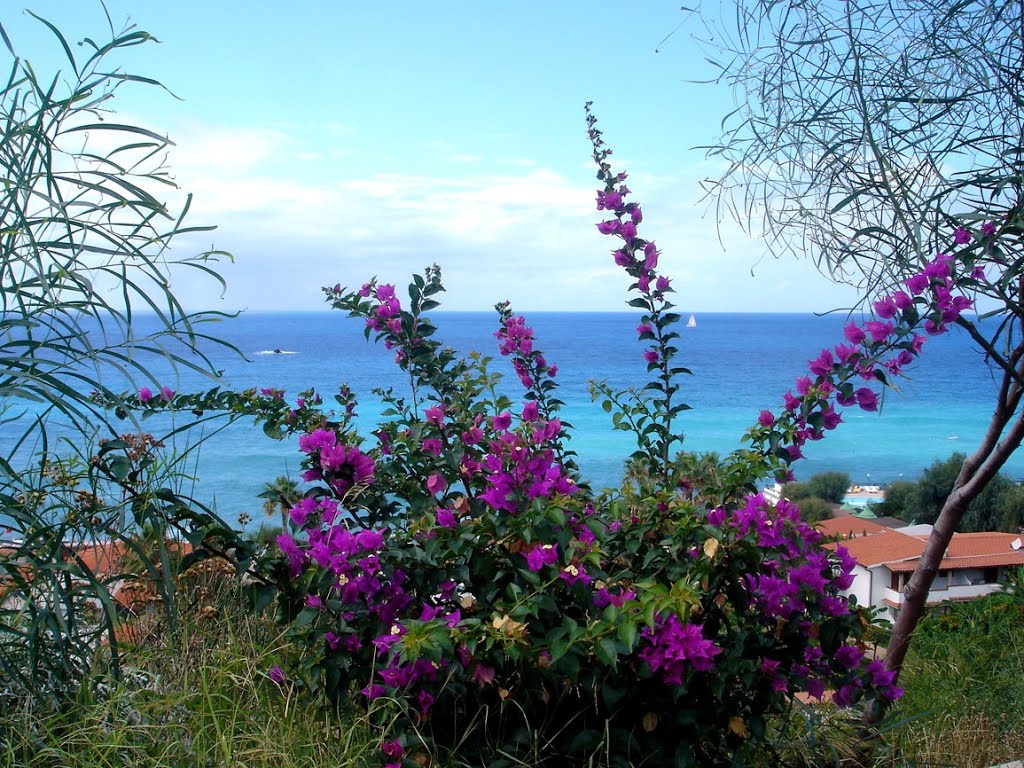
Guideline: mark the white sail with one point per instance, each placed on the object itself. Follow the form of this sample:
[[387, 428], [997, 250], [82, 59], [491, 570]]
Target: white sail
[[692, 322]]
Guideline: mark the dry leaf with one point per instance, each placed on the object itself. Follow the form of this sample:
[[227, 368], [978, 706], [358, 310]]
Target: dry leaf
[[503, 693], [650, 721], [710, 548], [739, 727]]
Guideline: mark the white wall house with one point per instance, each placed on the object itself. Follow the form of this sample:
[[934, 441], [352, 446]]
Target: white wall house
[[976, 564]]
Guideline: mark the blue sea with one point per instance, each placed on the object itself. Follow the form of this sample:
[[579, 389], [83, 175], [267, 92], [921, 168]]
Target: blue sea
[[741, 363]]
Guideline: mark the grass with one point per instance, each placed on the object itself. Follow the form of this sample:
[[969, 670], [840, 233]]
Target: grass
[[964, 680], [201, 697]]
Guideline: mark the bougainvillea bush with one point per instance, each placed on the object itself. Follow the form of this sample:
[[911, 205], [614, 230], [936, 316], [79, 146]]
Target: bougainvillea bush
[[451, 573]]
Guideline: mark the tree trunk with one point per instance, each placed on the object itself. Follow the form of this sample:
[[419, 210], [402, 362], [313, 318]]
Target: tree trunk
[[978, 469]]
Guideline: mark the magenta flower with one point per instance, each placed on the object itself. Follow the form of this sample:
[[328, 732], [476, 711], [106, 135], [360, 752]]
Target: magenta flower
[[902, 300], [317, 440], [879, 331], [435, 415], [651, 356], [502, 421], [650, 257], [541, 555], [917, 284], [369, 540], [822, 365], [854, 333], [392, 748], [483, 675], [166, 394], [145, 395], [436, 484], [276, 674], [849, 656], [766, 418], [961, 236], [866, 399], [531, 412], [674, 648], [988, 228], [644, 328], [886, 307], [661, 284], [446, 518]]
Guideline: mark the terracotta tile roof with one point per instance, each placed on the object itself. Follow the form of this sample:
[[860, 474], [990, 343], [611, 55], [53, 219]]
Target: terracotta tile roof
[[103, 559], [848, 527], [973, 544], [988, 549], [885, 546], [900, 552], [1007, 559]]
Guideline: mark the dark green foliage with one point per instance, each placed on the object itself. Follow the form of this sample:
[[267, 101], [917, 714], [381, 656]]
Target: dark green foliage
[[1011, 510], [985, 513], [966, 652], [84, 249], [797, 491], [897, 496], [814, 508], [831, 486]]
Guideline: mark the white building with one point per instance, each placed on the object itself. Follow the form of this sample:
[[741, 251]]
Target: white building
[[976, 564]]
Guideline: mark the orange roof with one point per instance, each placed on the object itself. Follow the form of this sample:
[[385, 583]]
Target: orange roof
[[987, 543], [899, 552], [104, 558], [988, 549], [994, 560], [883, 547], [848, 527]]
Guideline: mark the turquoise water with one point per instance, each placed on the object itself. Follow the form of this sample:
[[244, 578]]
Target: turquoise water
[[741, 363]]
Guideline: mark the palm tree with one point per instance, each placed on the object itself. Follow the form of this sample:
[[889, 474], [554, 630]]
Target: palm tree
[[280, 496]]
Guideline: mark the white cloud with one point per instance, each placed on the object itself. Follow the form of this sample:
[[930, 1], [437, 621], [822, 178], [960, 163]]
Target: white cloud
[[521, 232]]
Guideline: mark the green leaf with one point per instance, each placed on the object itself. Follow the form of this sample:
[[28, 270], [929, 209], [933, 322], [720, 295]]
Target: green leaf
[[627, 634]]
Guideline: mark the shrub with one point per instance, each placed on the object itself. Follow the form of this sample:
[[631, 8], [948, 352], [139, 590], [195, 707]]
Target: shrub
[[451, 572], [831, 486], [812, 509], [85, 247], [897, 496]]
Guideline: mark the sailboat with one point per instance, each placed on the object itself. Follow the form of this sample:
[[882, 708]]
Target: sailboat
[[692, 322]]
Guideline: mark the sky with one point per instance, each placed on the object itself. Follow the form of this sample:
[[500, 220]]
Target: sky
[[331, 141]]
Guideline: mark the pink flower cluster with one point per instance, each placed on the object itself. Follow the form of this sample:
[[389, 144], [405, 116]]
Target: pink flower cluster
[[522, 464], [873, 351], [340, 465], [798, 582], [146, 395], [386, 319], [637, 256], [515, 339], [672, 648]]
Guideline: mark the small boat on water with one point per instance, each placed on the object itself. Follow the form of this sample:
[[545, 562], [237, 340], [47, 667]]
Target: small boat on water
[[692, 322]]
